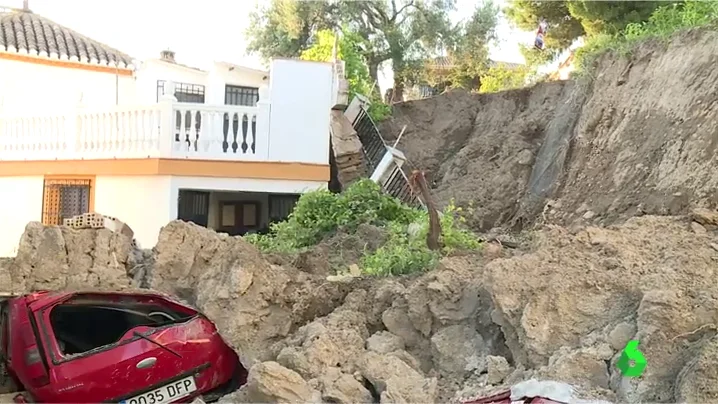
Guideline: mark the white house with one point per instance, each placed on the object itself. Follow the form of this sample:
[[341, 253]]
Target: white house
[[85, 128]]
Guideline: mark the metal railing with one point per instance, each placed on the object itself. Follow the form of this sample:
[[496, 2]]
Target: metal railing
[[373, 144], [375, 148]]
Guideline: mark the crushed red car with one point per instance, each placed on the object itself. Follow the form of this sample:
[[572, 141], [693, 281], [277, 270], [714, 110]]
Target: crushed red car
[[133, 348], [530, 391]]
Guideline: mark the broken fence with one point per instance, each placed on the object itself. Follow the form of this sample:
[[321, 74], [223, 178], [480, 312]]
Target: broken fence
[[374, 148]]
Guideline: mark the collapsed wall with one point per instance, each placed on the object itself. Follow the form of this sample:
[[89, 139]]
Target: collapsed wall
[[640, 138]]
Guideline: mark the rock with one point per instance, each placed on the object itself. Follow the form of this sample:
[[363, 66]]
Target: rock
[[61, 258], [395, 381], [705, 216], [273, 383], [697, 382], [698, 228], [589, 215], [621, 334], [525, 157], [457, 350], [384, 342], [498, 369], [585, 368], [341, 388], [225, 276]]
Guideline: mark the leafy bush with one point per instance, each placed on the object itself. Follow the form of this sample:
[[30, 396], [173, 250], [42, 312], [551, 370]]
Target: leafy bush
[[500, 78], [356, 71], [662, 24], [319, 214]]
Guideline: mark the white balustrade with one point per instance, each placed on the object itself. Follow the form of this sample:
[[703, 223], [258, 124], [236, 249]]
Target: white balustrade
[[166, 129], [218, 132]]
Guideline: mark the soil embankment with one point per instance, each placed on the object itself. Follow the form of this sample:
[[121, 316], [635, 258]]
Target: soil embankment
[[640, 138]]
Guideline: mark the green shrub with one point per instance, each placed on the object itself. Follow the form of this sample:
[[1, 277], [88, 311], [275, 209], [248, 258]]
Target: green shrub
[[319, 214], [663, 23]]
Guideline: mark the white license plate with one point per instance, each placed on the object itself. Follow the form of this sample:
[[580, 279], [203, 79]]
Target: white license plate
[[165, 394]]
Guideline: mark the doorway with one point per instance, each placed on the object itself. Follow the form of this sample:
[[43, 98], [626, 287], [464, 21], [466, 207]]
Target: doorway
[[193, 206]]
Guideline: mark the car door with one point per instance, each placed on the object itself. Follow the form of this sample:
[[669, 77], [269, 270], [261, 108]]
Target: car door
[[145, 358]]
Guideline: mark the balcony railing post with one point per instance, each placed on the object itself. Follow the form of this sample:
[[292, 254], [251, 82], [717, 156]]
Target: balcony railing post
[[167, 120], [264, 106]]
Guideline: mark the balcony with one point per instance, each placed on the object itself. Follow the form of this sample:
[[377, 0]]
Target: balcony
[[167, 129], [297, 111]]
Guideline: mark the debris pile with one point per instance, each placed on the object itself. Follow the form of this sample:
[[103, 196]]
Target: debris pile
[[563, 311]]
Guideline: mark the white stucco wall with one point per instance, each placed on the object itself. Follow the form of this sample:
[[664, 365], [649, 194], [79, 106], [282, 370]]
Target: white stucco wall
[[222, 74], [214, 80], [27, 87], [21, 203], [152, 70], [301, 97], [143, 202]]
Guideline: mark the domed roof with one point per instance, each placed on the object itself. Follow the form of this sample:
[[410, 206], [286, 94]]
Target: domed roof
[[24, 32]]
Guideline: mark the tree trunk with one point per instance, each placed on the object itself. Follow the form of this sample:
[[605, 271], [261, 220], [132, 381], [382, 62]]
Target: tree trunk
[[374, 76], [397, 65], [398, 90]]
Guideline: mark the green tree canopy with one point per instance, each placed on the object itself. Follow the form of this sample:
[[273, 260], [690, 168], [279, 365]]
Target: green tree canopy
[[570, 19], [348, 50], [610, 17], [469, 54], [397, 30], [285, 28]]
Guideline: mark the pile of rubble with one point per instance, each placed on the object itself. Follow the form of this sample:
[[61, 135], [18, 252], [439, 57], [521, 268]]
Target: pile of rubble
[[562, 310]]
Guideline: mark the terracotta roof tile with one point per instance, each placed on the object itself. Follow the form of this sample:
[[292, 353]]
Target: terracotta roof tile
[[23, 31]]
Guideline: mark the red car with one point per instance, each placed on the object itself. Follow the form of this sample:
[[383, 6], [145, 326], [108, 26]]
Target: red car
[[133, 348]]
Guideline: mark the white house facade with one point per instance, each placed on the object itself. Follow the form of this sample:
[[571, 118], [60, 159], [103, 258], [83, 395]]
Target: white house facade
[[85, 128]]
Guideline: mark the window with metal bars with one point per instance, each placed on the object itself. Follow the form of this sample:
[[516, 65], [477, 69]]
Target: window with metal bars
[[65, 198], [184, 92], [281, 205], [239, 95]]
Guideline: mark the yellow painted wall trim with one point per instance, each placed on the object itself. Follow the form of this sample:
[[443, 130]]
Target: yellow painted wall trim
[[181, 167]]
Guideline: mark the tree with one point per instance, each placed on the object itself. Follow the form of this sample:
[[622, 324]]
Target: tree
[[285, 28], [470, 52], [501, 78], [569, 19], [399, 31], [610, 17], [563, 27], [348, 50]]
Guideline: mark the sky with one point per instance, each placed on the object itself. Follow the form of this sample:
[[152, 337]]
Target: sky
[[202, 32]]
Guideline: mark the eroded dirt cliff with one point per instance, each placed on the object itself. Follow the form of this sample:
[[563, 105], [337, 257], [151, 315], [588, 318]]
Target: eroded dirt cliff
[[640, 138]]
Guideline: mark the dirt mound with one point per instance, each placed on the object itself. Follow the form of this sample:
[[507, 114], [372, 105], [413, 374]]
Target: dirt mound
[[651, 279], [643, 141]]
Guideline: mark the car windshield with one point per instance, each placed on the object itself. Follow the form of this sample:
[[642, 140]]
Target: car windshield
[[80, 328]]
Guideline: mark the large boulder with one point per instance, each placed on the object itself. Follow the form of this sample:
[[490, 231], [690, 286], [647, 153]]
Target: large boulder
[[56, 257], [254, 304]]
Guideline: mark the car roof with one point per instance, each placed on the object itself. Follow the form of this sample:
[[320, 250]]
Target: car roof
[[37, 300]]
